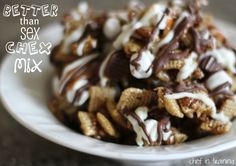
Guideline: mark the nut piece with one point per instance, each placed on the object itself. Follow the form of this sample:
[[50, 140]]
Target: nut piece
[[131, 48], [163, 76], [178, 137], [99, 96], [172, 107], [87, 123], [233, 86], [219, 36], [198, 74], [143, 33], [160, 97], [229, 108], [89, 45], [170, 24], [85, 46], [54, 107], [115, 114], [215, 127], [132, 98], [61, 108], [174, 64], [106, 125]]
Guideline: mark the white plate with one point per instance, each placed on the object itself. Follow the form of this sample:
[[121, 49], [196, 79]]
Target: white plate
[[26, 97]]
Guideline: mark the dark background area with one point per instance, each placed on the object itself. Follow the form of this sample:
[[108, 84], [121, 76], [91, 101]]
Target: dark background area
[[20, 147]]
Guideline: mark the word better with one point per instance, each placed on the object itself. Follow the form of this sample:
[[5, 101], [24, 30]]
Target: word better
[[34, 10]]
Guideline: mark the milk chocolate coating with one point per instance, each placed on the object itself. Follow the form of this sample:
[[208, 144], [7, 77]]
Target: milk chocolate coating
[[184, 87], [118, 66], [222, 90], [210, 65]]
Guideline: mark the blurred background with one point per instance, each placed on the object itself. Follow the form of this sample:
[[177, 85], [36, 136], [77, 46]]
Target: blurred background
[[20, 147]]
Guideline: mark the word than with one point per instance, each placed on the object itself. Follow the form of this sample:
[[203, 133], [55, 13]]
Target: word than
[[30, 21], [27, 65], [33, 10], [28, 47]]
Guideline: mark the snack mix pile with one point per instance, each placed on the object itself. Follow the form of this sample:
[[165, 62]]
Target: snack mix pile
[[146, 76]]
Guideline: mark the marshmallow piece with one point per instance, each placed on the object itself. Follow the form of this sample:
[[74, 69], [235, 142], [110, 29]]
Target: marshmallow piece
[[112, 28], [217, 79], [145, 61], [75, 15], [83, 7], [142, 112], [166, 135], [151, 126]]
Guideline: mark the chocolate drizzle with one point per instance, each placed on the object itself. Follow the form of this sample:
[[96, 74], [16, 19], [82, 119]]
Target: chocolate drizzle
[[80, 72], [196, 41], [200, 44], [184, 87], [142, 125], [134, 62], [78, 93], [165, 54], [161, 128], [222, 90], [210, 65], [156, 29], [194, 8]]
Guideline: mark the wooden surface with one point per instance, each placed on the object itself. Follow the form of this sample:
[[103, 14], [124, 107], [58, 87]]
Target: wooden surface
[[20, 147]]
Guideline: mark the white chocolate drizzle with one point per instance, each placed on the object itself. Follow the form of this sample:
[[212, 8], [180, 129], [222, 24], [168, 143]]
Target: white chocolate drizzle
[[190, 65]]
